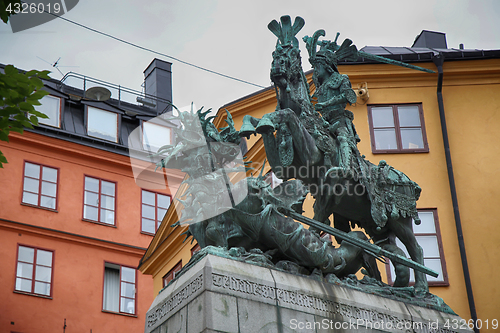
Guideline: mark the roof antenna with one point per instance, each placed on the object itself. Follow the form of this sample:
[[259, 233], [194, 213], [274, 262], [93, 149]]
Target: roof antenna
[[55, 64]]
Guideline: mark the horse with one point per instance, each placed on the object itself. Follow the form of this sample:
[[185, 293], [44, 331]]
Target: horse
[[298, 145]]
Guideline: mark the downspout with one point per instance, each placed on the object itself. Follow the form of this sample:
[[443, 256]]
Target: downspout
[[438, 61]]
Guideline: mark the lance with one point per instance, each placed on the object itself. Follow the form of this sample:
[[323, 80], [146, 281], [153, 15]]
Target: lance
[[365, 245], [366, 55], [392, 62]]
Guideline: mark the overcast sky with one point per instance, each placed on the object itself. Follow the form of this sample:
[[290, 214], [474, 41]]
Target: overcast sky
[[231, 37]]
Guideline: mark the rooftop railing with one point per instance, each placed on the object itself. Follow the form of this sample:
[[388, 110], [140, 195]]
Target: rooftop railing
[[118, 92]]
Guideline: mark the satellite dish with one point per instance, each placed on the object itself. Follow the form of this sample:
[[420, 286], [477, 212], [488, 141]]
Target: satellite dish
[[98, 93]]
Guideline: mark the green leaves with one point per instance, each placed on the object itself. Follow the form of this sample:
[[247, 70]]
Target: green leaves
[[3, 136], [7, 9], [2, 159], [11, 70], [19, 92]]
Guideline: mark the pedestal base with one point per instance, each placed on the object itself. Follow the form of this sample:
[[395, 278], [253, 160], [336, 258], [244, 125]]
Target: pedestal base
[[223, 295]]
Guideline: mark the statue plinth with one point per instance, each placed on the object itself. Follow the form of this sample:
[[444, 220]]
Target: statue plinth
[[219, 294]]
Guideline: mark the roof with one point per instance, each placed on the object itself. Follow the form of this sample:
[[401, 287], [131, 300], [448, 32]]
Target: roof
[[404, 54], [73, 124], [423, 54]]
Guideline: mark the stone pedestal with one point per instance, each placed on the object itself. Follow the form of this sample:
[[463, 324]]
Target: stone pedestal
[[224, 295]]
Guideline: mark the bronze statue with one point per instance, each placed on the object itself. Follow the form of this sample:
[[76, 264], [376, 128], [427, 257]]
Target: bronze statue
[[323, 141], [312, 147]]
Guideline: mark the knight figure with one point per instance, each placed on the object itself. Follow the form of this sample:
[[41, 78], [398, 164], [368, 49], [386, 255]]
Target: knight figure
[[333, 93]]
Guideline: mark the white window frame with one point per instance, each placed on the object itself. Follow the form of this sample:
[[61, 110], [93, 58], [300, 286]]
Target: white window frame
[[171, 273], [43, 185], [398, 129], [91, 113], [116, 296], [36, 272], [150, 142], [87, 197], [442, 279], [158, 217], [51, 121]]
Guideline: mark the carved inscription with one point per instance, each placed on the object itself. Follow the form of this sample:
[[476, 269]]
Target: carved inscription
[[174, 301], [244, 286], [348, 312]]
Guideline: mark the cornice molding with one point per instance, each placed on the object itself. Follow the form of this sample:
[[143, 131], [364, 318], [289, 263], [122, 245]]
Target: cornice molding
[[20, 227], [66, 147]]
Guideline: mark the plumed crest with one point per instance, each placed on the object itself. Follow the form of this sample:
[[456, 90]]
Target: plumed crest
[[329, 51], [285, 31], [347, 51]]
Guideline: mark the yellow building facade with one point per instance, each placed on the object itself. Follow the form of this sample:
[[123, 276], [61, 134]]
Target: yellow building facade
[[470, 90]]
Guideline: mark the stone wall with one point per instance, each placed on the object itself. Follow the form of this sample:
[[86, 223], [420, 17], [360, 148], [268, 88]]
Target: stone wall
[[223, 295]]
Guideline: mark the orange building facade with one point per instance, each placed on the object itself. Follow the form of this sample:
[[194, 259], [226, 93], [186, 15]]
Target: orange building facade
[[74, 222], [398, 117]]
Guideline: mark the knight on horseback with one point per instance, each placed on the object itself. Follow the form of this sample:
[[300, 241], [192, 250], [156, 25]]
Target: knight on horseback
[[333, 93]]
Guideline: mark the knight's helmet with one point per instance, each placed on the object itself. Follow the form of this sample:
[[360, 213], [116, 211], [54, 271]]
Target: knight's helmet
[[330, 53]]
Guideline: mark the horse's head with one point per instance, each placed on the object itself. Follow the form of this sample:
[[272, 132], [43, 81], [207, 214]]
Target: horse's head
[[286, 65], [286, 58]]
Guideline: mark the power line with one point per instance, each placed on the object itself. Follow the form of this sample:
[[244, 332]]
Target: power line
[[153, 51]]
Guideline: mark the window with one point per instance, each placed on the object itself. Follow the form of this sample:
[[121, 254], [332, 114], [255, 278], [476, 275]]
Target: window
[[429, 237], [51, 106], [155, 136], [99, 200], [102, 124], [40, 185], [397, 129], [34, 271], [154, 207], [195, 249], [172, 273], [119, 289]]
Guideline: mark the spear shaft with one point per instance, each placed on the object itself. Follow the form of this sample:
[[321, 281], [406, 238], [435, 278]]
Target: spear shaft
[[369, 247], [392, 62]]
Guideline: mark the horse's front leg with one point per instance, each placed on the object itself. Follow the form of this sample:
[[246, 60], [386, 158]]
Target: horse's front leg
[[403, 230], [273, 157], [304, 143], [402, 272]]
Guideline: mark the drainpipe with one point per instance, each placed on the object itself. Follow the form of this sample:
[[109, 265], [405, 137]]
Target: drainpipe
[[438, 61]]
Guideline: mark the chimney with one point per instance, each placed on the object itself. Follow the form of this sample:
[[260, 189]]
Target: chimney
[[158, 82], [431, 39]]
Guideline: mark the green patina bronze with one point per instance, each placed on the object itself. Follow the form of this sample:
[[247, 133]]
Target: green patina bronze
[[360, 54], [317, 143], [311, 144]]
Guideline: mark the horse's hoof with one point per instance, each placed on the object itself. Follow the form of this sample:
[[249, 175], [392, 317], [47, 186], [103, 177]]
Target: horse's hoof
[[421, 290]]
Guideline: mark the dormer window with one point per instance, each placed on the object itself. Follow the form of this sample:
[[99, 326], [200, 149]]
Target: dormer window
[[102, 124], [51, 106], [155, 136]]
